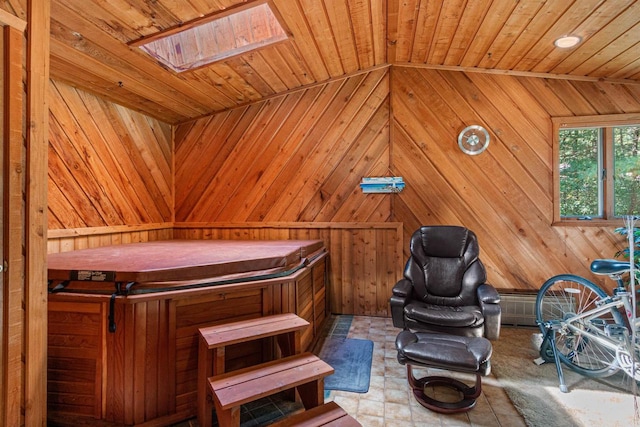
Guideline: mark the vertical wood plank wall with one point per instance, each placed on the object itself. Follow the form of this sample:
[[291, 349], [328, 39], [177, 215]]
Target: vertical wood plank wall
[[365, 259], [12, 280], [23, 328], [82, 238], [37, 129]]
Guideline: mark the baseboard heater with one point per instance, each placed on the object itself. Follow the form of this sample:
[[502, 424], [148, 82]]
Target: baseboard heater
[[518, 308]]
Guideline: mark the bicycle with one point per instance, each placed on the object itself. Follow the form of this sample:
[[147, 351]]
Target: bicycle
[[583, 326]]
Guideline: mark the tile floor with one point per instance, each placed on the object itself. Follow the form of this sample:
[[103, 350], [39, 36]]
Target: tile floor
[[389, 401]]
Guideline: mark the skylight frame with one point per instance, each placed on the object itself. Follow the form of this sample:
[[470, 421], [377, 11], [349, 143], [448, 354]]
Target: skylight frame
[[166, 46]]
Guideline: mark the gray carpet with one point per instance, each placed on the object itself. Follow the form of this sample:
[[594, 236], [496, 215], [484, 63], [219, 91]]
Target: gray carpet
[[534, 389]]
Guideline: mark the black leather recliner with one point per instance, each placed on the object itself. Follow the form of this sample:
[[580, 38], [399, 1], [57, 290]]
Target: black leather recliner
[[444, 287]]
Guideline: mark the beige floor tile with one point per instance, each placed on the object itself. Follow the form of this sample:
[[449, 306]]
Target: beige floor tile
[[376, 394], [379, 369], [390, 353], [397, 411], [389, 385], [371, 408], [455, 420], [371, 421], [376, 381], [396, 396], [348, 403], [511, 421], [398, 423], [396, 383], [389, 402], [424, 416], [398, 371]]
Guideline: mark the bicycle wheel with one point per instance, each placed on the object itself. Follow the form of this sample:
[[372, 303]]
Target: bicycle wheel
[[561, 298]]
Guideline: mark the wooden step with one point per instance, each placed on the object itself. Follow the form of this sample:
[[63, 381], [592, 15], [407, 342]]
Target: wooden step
[[246, 385], [247, 330], [305, 372], [327, 415], [285, 327]]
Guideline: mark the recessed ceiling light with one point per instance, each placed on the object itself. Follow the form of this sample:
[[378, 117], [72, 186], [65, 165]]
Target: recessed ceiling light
[[567, 41]]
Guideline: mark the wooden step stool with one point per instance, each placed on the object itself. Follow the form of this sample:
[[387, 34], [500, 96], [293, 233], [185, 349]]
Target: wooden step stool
[[327, 415], [305, 372], [213, 340]]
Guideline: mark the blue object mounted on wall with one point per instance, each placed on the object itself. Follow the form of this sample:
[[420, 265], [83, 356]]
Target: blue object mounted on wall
[[383, 184]]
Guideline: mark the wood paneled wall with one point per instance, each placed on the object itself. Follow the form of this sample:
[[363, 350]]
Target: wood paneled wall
[[280, 160], [23, 329], [110, 173], [504, 194], [365, 259], [108, 165], [289, 167], [298, 157], [93, 237]]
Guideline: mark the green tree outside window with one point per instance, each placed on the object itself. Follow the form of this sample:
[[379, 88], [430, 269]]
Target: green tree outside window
[[599, 171]]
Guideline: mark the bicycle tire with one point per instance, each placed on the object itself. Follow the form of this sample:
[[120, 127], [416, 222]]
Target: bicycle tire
[[562, 297]]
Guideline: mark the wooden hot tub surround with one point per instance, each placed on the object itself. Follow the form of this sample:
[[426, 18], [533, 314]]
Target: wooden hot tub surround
[[123, 343]]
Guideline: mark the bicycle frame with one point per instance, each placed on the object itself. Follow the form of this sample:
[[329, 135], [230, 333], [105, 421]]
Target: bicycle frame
[[602, 339], [598, 334]]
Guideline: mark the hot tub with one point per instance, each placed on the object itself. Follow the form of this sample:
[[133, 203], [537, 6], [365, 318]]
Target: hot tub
[[123, 319]]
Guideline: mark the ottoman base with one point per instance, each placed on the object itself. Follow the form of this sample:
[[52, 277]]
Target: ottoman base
[[467, 402], [449, 352]]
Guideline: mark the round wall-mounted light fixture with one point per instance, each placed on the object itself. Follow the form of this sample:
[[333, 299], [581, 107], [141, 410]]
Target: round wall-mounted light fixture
[[566, 42]]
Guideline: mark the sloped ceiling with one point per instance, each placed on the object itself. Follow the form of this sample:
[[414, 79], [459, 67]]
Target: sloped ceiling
[[333, 38]]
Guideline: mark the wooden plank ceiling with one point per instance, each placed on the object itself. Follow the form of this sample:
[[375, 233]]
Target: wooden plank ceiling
[[333, 38]]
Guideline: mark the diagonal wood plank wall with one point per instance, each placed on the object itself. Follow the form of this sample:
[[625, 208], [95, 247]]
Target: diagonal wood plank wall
[[108, 165], [298, 157], [504, 194]]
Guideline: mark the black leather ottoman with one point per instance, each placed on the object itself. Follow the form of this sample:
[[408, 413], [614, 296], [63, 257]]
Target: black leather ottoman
[[450, 352]]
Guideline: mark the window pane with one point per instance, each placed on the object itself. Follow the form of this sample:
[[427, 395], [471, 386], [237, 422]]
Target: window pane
[[626, 143], [580, 188]]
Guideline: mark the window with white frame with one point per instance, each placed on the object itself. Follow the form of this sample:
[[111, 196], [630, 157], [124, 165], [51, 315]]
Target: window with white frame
[[596, 167]]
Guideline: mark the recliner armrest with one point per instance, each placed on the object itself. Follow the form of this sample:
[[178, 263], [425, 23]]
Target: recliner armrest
[[488, 294], [491, 310], [401, 293], [403, 288]]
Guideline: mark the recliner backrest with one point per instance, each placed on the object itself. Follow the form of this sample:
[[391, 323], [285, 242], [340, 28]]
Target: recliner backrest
[[444, 266]]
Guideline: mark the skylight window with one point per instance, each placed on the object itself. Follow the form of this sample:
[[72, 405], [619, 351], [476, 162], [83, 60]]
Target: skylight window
[[215, 37]]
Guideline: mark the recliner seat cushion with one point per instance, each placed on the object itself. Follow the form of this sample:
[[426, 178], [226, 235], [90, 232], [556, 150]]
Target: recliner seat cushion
[[444, 316]]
